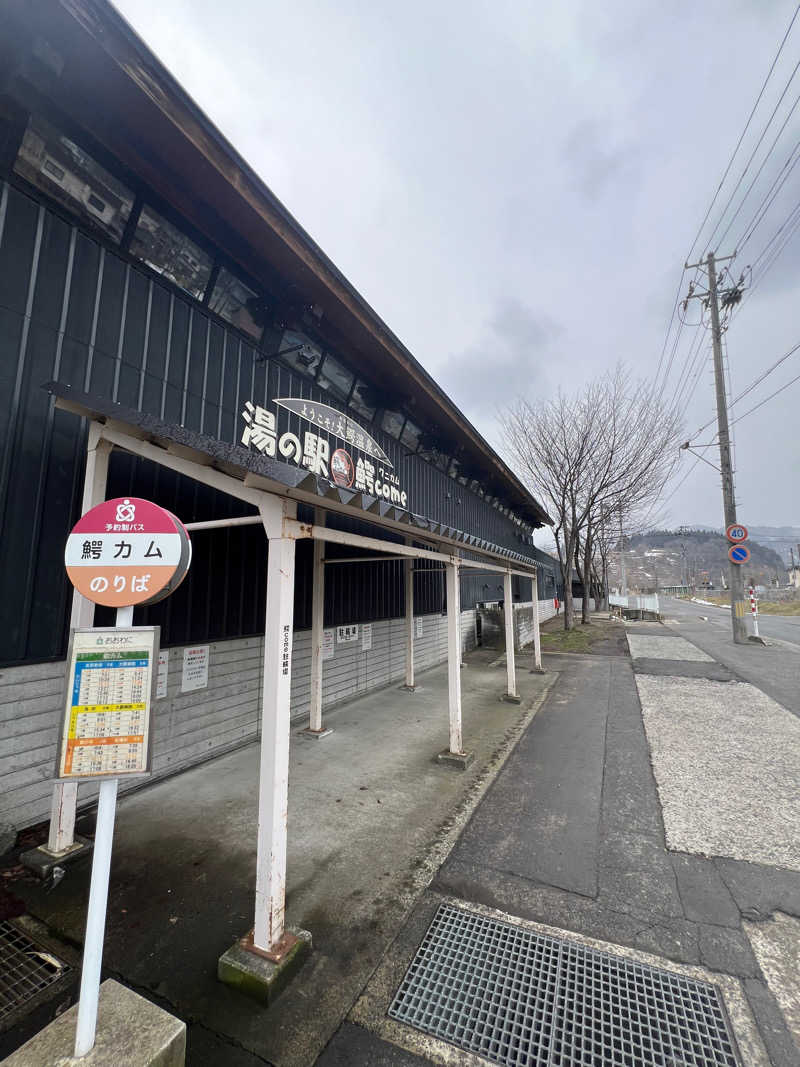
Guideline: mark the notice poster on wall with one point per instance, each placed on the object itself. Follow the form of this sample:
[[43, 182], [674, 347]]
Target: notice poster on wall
[[327, 644], [195, 668], [366, 637], [419, 627], [105, 731], [346, 634], [161, 677]]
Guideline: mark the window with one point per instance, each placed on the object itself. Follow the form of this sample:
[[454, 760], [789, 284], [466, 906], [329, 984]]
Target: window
[[392, 423], [411, 435], [163, 247], [68, 174], [300, 353], [359, 401], [335, 378], [54, 170], [238, 304]]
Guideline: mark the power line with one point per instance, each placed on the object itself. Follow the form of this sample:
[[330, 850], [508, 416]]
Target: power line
[[769, 198], [752, 386], [766, 398], [757, 174], [742, 137]]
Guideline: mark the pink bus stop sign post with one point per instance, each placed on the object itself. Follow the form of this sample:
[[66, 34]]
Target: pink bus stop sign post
[[121, 553], [127, 551]]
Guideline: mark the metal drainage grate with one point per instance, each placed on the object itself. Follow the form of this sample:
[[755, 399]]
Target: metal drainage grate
[[522, 998], [25, 969]]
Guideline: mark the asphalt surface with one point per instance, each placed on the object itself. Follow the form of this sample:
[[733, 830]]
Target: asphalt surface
[[774, 668], [571, 835], [781, 627]]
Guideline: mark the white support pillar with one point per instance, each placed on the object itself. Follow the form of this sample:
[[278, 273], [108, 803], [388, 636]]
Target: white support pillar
[[273, 784], [508, 611], [409, 589], [454, 656], [314, 728], [537, 637], [63, 807]]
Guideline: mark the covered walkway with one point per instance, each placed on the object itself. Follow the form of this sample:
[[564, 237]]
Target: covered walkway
[[371, 816]]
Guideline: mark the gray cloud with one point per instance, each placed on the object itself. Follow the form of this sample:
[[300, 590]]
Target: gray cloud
[[509, 360], [484, 171]]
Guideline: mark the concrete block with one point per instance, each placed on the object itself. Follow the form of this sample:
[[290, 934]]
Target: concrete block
[[41, 861], [507, 698], [257, 976], [131, 1032], [461, 760], [315, 735]]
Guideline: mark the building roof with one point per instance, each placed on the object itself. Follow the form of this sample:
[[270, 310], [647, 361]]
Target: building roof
[[86, 56]]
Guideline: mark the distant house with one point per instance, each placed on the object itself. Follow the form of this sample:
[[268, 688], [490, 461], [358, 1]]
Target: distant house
[[794, 576]]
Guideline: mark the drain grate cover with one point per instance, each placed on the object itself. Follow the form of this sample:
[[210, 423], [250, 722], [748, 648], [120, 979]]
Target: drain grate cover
[[26, 968], [521, 998]]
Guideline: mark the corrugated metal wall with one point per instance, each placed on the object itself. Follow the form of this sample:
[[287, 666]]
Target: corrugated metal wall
[[75, 310]]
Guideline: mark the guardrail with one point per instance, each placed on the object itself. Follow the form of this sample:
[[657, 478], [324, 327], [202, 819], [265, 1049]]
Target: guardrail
[[636, 603]]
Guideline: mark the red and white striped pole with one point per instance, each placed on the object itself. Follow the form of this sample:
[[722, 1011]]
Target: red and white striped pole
[[754, 610]]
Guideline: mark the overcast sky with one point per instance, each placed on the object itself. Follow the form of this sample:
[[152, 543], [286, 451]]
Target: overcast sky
[[514, 187]]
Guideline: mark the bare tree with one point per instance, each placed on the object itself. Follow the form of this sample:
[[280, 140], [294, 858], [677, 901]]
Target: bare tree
[[607, 450]]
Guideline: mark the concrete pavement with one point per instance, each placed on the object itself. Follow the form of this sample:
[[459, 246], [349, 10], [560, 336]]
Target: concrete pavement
[[371, 816], [571, 835]]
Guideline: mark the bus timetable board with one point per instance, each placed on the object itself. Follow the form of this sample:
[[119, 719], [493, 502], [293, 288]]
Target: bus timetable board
[[111, 675]]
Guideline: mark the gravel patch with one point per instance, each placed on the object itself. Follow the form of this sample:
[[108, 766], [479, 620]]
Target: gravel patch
[[664, 647], [726, 760]]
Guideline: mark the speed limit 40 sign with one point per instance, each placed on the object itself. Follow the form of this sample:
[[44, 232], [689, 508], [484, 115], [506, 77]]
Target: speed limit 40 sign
[[736, 533]]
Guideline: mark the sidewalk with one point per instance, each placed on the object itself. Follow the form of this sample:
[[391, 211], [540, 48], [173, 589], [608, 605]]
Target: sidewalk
[[571, 835], [371, 816]]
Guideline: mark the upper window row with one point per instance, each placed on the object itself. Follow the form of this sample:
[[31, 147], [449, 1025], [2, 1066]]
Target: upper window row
[[68, 174]]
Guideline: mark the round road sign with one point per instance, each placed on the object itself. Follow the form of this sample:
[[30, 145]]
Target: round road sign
[[127, 551], [738, 553], [736, 533]]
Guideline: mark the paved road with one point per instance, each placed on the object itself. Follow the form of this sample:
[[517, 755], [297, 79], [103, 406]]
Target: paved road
[[774, 669], [782, 627]]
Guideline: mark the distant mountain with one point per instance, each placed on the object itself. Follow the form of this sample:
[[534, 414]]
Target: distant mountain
[[698, 556], [784, 539]]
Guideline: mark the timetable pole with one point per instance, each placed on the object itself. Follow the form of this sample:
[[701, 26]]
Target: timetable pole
[[98, 901]]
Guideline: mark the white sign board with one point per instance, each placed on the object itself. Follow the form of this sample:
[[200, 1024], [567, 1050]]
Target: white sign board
[[327, 644], [105, 731], [345, 634], [366, 637], [195, 668], [161, 677], [419, 627]]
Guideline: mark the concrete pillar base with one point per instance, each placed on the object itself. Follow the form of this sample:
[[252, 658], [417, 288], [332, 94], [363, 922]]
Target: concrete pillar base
[[409, 688], [130, 1031], [511, 698], [538, 670], [315, 735], [41, 861], [461, 760], [259, 975], [756, 640]]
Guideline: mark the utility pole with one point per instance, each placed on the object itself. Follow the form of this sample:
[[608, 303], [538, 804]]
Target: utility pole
[[726, 467]]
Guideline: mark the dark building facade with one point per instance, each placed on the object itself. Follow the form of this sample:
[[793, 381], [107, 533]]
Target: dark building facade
[[148, 273]]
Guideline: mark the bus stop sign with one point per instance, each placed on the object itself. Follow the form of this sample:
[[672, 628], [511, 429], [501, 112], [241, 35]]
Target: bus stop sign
[[127, 551]]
